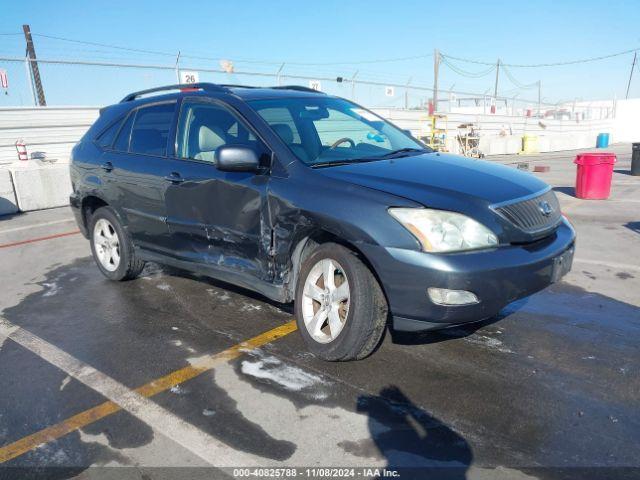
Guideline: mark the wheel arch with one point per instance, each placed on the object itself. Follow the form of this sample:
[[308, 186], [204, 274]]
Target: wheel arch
[[303, 247], [90, 203]]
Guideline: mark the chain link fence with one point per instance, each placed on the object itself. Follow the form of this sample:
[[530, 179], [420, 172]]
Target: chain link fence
[[81, 82]]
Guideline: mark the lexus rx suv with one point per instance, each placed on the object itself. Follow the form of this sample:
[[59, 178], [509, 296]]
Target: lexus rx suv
[[312, 199]]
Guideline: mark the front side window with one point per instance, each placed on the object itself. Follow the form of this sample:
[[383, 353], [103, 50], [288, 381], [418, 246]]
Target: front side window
[[205, 127], [326, 130], [150, 130]]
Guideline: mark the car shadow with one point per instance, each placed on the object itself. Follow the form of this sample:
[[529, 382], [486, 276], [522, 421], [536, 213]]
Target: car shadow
[[176, 272], [414, 443], [570, 191], [633, 226], [436, 336]]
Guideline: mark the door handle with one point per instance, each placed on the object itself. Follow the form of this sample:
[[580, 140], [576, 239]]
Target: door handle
[[107, 166], [174, 178]]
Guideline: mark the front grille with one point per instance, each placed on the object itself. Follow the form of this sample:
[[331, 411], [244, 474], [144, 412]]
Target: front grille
[[532, 215]]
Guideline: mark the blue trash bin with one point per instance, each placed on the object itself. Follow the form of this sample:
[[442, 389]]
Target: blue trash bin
[[603, 140]]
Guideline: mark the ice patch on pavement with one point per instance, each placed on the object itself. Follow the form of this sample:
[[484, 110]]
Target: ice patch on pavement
[[179, 390], [222, 296], [250, 307], [488, 342], [65, 382], [52, 289], [287, 376], [151, 271]]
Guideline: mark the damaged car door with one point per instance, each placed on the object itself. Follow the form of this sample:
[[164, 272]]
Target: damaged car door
[[217, 218]]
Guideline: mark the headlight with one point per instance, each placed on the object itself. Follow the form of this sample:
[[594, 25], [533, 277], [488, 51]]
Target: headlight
[[441, 231]]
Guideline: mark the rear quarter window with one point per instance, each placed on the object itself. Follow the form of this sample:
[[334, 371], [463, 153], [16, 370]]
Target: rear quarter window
[[151, 127], [106, 138], [122, 142]]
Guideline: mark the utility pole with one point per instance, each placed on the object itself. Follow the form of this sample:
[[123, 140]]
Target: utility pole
[[353, 86], [539, 96], [33, 65], [633, 65], [436, 66], [278, 77], [177, 68], [406, 94], [495, 89]]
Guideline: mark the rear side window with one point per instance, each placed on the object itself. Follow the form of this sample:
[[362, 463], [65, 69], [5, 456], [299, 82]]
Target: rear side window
[[122, 142], [150, 130], [107, 137]]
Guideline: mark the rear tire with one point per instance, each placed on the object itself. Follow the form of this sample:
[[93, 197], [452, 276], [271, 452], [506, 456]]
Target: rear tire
[[338, 322], [111, 247]]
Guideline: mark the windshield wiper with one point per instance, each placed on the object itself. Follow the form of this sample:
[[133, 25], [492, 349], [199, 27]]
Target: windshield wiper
[[344, 162], [386, 156], [399, 151]]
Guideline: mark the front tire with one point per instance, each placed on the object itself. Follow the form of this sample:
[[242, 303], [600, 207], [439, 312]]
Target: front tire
[[340, 308], [111, 247]]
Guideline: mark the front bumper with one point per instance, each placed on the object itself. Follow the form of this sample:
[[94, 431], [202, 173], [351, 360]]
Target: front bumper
[[497, 277]]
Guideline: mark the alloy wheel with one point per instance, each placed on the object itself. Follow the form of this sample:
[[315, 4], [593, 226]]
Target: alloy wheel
[[325, 300], [106, 244]]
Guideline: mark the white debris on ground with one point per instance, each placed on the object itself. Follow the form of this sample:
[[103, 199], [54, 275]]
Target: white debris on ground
[[207, 412], [164, 286]]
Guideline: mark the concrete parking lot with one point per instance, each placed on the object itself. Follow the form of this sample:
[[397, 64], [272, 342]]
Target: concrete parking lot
[[175, 370]]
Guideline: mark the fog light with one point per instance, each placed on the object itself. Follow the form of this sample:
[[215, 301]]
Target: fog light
[[444, 296]]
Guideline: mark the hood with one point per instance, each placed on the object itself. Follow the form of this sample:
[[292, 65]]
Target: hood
[[434, 179]]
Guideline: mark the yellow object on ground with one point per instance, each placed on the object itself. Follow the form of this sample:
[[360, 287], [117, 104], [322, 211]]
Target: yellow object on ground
[[529, 144]]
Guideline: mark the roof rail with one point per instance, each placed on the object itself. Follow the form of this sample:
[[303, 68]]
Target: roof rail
[[210, 87], [297, 87]]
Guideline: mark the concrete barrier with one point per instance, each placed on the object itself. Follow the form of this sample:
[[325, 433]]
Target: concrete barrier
[[8, 203], [41, 187]]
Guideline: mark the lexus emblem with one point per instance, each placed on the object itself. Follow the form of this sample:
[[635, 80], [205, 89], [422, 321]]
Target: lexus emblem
[[545, 208]]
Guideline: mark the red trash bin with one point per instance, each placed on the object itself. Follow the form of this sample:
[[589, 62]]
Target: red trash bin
[[593, 178]]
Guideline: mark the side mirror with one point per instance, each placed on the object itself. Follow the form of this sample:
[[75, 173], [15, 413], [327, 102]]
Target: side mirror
[[236, 158], [408, 132]]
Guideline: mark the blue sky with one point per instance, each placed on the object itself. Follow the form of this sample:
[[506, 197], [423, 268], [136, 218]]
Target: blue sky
[[326, 32]]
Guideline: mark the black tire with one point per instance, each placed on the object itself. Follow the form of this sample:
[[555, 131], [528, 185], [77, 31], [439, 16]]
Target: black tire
[[130, 266], [366, 318]]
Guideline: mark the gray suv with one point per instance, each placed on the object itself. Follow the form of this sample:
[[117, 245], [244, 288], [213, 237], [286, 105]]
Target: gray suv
[[310, 198]]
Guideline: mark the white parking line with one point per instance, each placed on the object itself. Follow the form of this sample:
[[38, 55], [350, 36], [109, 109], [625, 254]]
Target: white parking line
[[37, 225], [621, 266], [158, 418]]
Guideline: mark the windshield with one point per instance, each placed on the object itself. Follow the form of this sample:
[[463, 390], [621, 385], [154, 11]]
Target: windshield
[[322, 131]]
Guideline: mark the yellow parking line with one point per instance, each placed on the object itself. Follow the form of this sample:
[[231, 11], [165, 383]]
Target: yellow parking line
[[82, 419]]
